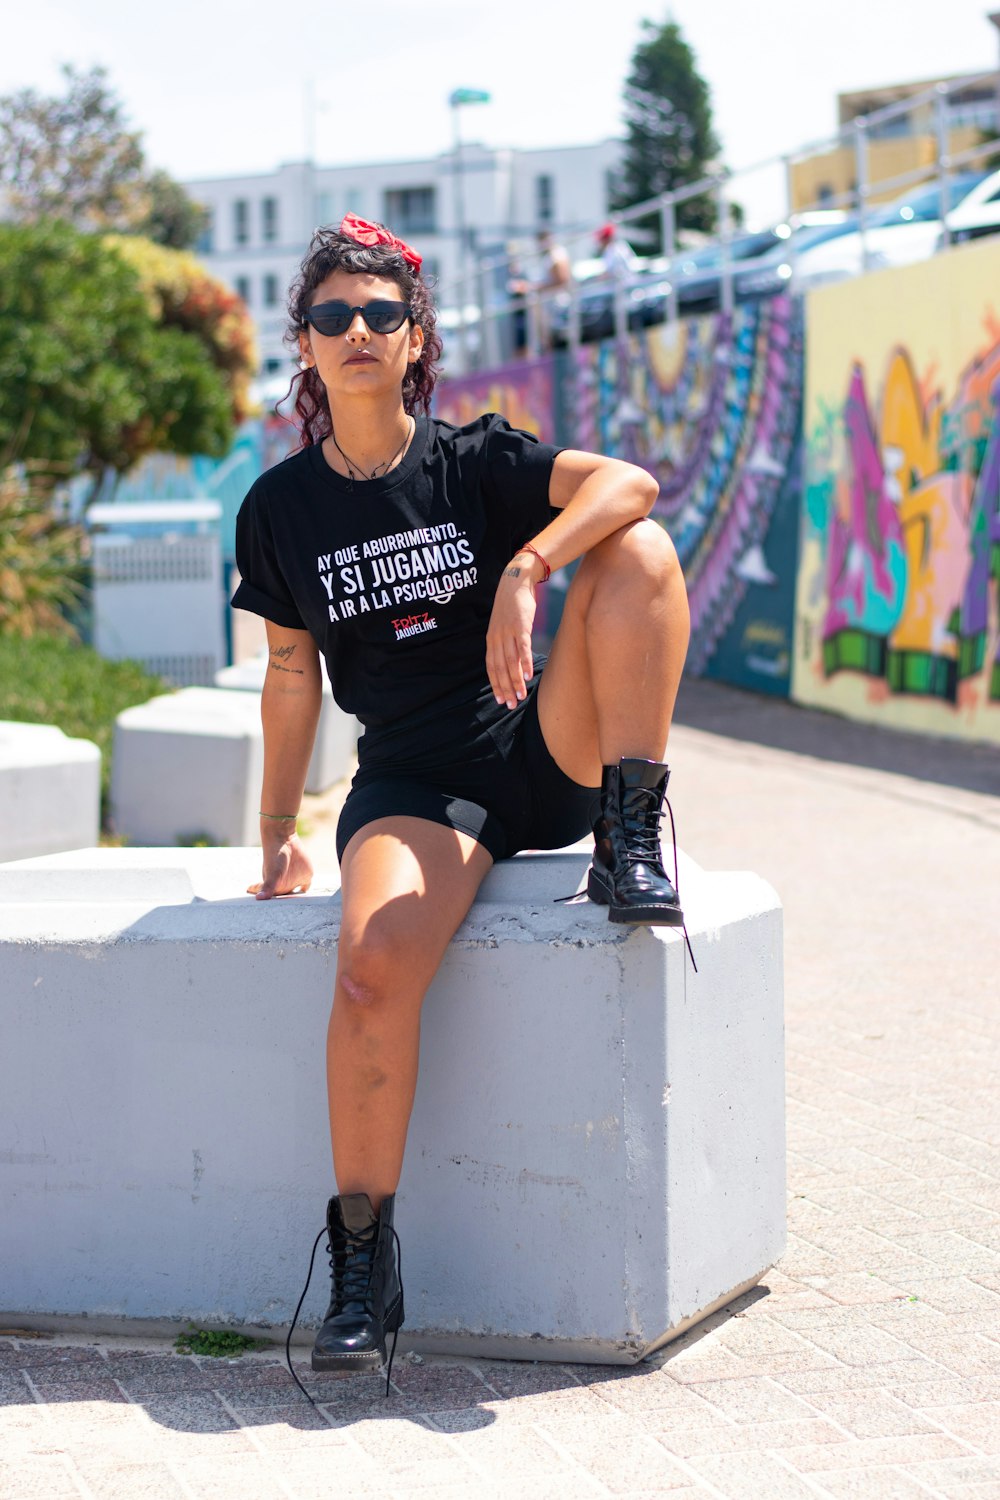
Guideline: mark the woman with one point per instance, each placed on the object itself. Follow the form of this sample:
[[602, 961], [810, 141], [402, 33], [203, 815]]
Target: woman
[[408, 553]]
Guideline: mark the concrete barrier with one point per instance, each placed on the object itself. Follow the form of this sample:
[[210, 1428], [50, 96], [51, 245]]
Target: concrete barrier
[[187, 766], [336, 734], [50, 791], [596, 1158]]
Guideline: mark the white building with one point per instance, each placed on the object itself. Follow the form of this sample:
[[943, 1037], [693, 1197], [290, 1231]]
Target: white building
[[261, 224]]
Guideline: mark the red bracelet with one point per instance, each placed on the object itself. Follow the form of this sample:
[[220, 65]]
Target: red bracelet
[[535, 552]]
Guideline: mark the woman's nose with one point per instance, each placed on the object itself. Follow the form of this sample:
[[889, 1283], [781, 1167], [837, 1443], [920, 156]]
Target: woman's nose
[[358, 330]]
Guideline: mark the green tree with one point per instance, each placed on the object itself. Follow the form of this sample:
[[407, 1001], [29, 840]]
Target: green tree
[[172, 218], [90, 379], [73, 157], [670, 141]]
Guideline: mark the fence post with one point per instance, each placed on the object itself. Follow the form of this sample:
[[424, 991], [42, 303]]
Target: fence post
[[573, 323], [861, 176], [668, 234], [943, 157], [725, 234]]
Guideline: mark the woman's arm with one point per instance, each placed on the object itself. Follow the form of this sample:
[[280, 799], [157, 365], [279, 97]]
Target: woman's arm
[[596, 496], [289, 711]]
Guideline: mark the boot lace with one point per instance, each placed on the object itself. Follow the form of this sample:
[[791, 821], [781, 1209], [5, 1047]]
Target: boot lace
[[351, 1265], [360, 1281], [646, 835], [641, 815], [644, 843]]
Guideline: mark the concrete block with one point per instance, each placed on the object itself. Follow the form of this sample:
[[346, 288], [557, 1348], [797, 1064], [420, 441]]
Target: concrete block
[[596, 1158], [50, 790], [336, 734], [188, 765]]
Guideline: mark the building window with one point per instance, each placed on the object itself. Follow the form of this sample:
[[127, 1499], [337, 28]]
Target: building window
[[204, 242], [242, 285], [545, 198], [410, 210], [323, 208], [270, 290], [273, 366], [352, 201], [241, 221], [269, 219]]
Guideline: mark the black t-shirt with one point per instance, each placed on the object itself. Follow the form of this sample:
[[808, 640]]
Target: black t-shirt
[[395, 578]]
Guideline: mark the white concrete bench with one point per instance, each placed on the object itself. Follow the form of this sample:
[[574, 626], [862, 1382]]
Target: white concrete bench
[[596, 1158], [336, 734], [50, 790], [188, 766]]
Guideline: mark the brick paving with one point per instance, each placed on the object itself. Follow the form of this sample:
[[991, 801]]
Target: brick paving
[[866, 1364]]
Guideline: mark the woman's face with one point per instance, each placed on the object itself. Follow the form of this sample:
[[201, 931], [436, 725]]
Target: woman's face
[[359, 361]]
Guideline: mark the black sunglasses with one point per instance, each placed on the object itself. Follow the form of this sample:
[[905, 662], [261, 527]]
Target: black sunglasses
[[334, 318]]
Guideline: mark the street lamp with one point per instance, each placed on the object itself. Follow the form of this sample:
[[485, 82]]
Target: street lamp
[[456, 99]]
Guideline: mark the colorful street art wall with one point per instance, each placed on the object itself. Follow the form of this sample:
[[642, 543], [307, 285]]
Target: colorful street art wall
[[712, 407], [522, 392], [896, 612]]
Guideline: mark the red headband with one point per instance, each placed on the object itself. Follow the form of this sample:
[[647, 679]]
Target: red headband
[[374, 234]]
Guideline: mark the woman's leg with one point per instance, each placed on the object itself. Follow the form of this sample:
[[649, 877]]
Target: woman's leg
[[407, 885], [605, 703], [610, 683]]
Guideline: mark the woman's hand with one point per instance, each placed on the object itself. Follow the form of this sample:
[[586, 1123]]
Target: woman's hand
[[287, 868], [508, 639]]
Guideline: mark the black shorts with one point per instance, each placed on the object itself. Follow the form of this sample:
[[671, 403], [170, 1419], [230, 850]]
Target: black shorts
[[490, 776]]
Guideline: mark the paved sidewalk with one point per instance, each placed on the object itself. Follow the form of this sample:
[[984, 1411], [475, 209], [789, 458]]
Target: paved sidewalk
[[867, 1364]]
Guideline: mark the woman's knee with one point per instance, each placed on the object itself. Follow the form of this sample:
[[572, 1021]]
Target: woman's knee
[[376, 972], [365, 974], [642, 550]]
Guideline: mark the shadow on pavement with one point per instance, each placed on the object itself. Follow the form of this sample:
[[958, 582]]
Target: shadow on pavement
[[778, 724]]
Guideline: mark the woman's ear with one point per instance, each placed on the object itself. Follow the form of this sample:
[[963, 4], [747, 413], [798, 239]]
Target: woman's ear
[[416, 344], [305, 350]]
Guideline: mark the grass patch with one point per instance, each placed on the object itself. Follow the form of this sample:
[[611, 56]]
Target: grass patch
[[48, 680], [217, 1343]]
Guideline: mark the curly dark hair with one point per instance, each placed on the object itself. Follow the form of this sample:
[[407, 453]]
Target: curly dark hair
[[330, 251]]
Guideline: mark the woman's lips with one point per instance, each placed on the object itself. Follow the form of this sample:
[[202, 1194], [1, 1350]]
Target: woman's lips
[[361, 359]]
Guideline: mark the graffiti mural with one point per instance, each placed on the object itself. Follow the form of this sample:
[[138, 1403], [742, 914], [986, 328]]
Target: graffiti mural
[[522, 392], [897, 598], [712, 407]]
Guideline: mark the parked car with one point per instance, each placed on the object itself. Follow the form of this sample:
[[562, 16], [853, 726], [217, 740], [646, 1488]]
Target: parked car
[[698, 287], [978, 214], [896, 234], [776, 271]]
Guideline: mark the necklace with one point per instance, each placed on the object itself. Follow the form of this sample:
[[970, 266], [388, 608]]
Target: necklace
[[353, 465]]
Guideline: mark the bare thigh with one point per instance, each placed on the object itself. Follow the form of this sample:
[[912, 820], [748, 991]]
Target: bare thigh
[[567, 712], [407, 884]]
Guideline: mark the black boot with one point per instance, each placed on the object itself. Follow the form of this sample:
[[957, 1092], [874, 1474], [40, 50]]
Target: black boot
[[367, 1298], [627, 873]]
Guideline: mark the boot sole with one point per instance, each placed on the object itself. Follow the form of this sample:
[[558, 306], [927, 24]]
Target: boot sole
[[364, 1359], [370, 1359], [654, 915]]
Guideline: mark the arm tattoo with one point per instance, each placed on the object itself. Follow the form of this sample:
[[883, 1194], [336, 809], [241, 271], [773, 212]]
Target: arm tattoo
[[512, 572], [282, 654]]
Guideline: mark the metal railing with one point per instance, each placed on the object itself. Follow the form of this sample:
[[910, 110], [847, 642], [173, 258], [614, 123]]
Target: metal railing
[[545, 306]]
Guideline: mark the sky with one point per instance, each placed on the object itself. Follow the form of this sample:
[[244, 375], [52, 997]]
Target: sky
[[221, 87]]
